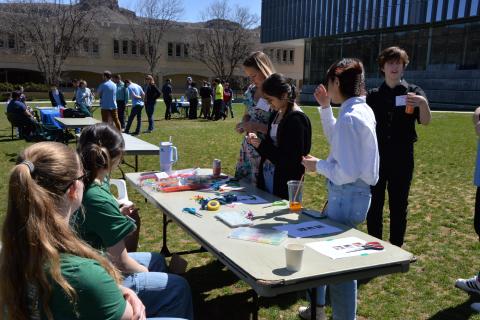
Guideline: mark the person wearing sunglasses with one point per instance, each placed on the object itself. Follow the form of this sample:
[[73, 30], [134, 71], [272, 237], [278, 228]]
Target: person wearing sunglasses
[[48, 272]]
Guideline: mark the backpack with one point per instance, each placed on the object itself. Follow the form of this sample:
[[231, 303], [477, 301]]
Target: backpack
[[73, 113]]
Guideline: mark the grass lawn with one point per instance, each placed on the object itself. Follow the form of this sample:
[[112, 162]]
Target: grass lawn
[[440, 232]]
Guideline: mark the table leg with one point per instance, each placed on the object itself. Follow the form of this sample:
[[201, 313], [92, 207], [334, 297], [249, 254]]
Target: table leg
[[313, 303], [165, 251], [255, 306], [136, 163]]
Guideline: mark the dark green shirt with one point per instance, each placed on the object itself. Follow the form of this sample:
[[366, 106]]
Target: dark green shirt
[[102, 225], [99, 297]]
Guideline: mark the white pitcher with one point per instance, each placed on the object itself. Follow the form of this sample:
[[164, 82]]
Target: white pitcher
[[168, 156]]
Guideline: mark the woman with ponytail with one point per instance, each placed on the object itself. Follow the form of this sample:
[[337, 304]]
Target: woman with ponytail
[[351, 167], [106, 226], [47, 271], [288, 138]]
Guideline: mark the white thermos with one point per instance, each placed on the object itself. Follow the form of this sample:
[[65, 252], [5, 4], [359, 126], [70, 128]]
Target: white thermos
[[168, 156]]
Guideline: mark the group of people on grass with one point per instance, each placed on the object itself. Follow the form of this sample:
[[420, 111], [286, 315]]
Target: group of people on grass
[[68, 246]]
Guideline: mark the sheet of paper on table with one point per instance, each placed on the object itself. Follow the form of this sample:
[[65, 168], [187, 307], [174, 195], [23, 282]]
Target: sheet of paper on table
[[308, 229], [341, 247], [250, 199]]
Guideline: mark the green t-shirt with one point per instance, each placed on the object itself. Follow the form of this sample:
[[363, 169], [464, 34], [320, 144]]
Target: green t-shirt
[[98, 296], [219, 92], [103, 225]]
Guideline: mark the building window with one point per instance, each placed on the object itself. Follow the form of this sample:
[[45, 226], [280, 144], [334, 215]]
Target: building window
[[2, 43], [142, 49], [125, 47], [95, 46], [86, 45], [292, 56], [116, 47], [185, 50], [170, 49], [11, 41], [278, 53], [284, 56], [178, 50], [271, 54], [133, 45]]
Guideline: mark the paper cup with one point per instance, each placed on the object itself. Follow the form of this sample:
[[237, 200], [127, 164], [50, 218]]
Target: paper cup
[[293, 255]]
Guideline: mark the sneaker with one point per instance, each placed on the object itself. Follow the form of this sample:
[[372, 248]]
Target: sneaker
[[475, 306], [304, 313], [469, 285]]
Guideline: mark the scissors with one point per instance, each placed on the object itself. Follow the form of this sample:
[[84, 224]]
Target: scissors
[[369, 246], [277, 203]]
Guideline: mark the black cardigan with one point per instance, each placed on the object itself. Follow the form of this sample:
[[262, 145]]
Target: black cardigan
[[294, 140]]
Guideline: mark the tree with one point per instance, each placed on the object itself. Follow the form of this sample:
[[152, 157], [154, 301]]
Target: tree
[[51, 31], [227, 39], [155, 18]]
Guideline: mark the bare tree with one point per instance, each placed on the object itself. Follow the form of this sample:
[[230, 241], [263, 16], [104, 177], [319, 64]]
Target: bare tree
[[154, 19], [51, 31], [226, 40]]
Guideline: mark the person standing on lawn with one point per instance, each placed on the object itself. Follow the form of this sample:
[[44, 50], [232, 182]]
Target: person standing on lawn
[[227, 99], [206, 95], [167, 98], [151, 95], [107, 92], [351, 167], [138, 96], [396, 136], [122, 98]]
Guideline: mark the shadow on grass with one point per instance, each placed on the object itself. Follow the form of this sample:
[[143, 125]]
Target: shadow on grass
[[234, 305], [458, 312]]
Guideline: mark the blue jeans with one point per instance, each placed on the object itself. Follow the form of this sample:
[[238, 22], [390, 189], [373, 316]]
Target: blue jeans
[[163, 294], [347, 204], [150, 109], [136, 112]]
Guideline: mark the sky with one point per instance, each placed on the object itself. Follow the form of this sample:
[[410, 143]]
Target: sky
[[193, 8]]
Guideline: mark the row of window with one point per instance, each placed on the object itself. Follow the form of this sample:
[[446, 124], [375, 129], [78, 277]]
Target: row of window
[[178, 50], [286, 56], [127, 47], [7, 41]]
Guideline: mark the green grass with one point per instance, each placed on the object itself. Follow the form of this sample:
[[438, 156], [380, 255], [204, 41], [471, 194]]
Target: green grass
[[440, 232]]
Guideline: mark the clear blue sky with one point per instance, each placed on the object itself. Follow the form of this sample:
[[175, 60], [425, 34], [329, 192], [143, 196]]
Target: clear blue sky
[[193, 8]]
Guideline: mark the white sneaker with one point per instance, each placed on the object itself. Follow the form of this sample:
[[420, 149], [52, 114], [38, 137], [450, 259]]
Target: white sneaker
[[304, 313], [475, 306], [469, 285]]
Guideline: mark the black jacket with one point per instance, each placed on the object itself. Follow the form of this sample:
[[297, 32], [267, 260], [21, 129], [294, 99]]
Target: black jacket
[[52, 100], [151, 93], [294, 137]]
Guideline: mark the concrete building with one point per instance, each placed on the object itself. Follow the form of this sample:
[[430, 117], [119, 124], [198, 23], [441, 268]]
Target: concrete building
[[442, 38], [111, 47]]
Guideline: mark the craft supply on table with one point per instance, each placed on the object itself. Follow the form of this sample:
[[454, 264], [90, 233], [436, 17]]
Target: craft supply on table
[[267, 236], [343, 247], [213, 205], [233, 218], [192, 211], [278, 203], [217, 167], [308, 229]]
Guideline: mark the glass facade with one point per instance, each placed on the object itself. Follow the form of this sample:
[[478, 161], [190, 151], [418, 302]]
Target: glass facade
[[451, 47]]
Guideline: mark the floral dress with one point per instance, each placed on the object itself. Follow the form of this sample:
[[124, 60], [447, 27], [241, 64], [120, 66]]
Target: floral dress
[[249, 159]]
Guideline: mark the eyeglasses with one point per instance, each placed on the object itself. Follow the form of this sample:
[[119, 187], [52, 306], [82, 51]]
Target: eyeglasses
[[73, 181]]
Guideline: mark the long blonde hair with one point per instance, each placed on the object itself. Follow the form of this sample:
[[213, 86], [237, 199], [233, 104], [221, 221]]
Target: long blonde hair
[[36, 232], [261, 62]]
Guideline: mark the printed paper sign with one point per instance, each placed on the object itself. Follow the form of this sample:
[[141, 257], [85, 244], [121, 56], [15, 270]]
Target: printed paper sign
[[400, 101]]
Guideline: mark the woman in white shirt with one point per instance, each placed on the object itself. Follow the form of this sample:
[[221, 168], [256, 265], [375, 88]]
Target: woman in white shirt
[[84, 98], [351, 167]]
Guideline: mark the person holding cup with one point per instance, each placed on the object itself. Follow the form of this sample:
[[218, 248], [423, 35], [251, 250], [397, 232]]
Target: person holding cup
[[288, 139], [396, 135], [351, 167]]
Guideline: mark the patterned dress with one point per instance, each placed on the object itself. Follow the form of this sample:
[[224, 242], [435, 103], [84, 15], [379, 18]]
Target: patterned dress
[[249, 159]]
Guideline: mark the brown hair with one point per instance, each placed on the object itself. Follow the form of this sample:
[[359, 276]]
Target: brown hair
[[392, 54], [261, 62], [98, 146], [36, 231], [351, 76], [149, 77]]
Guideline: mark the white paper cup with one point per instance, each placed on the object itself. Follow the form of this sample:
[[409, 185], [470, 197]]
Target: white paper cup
[[293, 255]]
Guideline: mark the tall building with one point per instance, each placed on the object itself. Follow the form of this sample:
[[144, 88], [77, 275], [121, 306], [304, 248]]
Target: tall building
[[441, 37]]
